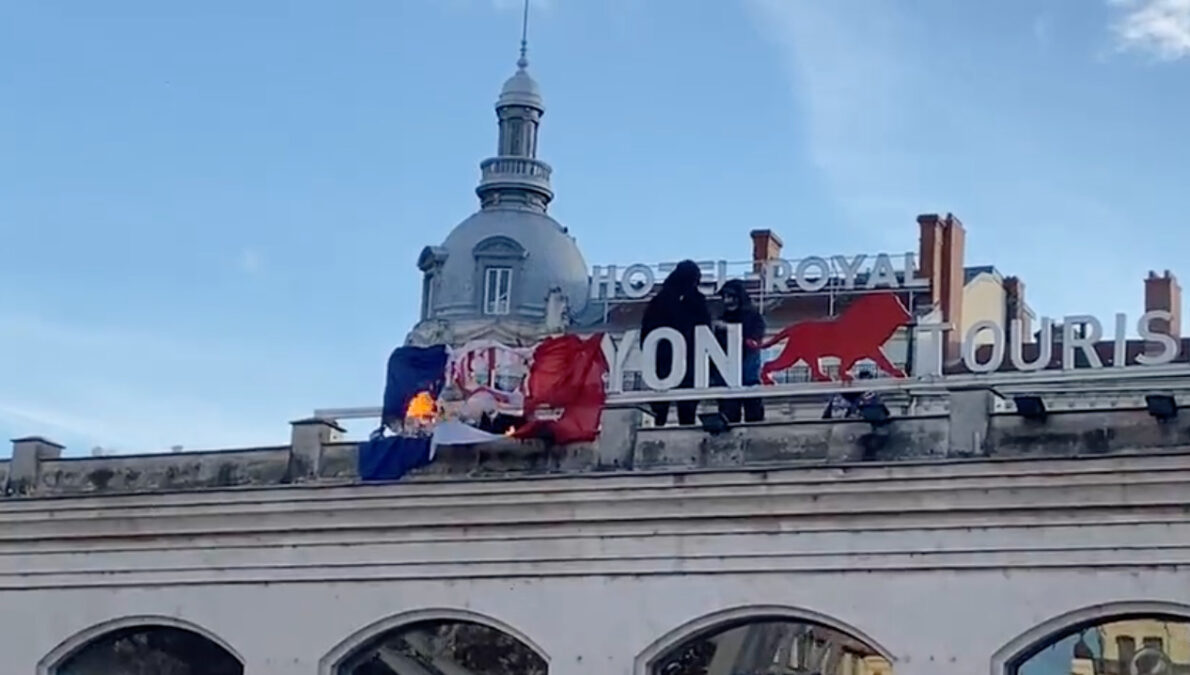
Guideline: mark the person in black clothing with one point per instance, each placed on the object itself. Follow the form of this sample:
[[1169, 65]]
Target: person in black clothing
[[738, 308], [848, 405], [681, 306]]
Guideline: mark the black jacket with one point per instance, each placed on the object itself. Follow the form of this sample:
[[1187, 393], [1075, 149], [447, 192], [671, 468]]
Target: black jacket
[[681, 306]]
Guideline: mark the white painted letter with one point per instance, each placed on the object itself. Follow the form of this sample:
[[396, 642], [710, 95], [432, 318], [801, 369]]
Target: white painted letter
[[819, 282], [646, 278], [849, 269], [648, 369], [1169, 346], [970, 347], [776, 276], [911, 279], [882, 274], [617, 359], [927, 357], [603, 282], [707, 350], [1120, 354], [1070, 342], [1045, 346]]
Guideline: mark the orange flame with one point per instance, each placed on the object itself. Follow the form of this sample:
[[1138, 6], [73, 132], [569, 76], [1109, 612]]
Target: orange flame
[[421, 407]]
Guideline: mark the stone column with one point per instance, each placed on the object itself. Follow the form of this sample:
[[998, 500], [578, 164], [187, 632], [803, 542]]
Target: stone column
[[308, 436], [27, 455], [615, 448], [970, 416]]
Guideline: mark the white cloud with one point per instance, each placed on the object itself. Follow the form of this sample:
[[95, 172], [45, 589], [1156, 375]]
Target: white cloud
[[1158, 27]]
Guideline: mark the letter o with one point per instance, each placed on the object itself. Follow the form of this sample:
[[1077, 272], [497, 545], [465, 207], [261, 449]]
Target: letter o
[[969, 347], [646, 274], [824, 274], [648, 369]]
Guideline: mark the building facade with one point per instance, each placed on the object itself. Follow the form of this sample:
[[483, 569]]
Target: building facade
[[959, 536]]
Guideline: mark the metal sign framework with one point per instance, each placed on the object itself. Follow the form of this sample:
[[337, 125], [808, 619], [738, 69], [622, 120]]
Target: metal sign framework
[[1151, 379]]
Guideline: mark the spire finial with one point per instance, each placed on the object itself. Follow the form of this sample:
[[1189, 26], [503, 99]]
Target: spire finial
[[523, 62]]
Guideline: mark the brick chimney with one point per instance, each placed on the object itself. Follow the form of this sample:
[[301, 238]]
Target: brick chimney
[[930, 252], [766, 246], [943, 241], [1014, 307], [1164, 292]]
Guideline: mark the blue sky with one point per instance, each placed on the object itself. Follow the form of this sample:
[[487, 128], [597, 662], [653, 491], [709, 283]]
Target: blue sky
[[211, 211]]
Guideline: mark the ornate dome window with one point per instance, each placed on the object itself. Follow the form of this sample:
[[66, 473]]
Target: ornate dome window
[[499, 263]]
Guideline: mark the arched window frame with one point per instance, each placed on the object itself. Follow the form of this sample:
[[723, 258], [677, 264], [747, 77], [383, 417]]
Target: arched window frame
[[732, 617], [343, 652], [1008, 659], [68, 648], [498, 253]]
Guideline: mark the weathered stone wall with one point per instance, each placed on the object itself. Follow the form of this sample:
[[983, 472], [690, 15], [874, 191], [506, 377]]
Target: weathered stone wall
[[948, 566], [971, 429], [164, 472], [1086, 432]]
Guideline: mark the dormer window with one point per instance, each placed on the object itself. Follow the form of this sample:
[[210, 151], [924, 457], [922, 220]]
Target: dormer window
[[497, 291], [499, 267]]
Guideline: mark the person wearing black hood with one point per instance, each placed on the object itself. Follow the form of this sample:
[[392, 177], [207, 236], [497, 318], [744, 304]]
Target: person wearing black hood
[[738, 308], [681, 306]]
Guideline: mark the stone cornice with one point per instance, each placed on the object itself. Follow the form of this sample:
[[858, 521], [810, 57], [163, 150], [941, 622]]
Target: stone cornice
[[960, 515]]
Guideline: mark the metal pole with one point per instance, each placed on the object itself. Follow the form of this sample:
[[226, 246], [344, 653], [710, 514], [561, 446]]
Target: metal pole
[[1143, 378]]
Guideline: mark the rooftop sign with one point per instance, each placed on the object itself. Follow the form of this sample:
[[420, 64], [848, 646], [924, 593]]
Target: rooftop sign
[[808, 275], [852, 341]]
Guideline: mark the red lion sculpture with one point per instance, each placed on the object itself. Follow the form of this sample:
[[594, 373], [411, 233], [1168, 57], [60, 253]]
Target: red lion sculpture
[[858, 333]]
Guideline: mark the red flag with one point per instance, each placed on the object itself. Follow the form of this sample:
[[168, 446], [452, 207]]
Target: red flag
[[566, 389]]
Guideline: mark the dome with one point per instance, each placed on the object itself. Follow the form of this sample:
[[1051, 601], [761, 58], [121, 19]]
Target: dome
[[521, 89], [539, 253]]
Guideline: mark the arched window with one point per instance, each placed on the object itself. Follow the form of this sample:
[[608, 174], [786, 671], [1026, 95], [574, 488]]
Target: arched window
[[444, 647], [1120, 645], [149, 650], [771, 647], [499, 265]]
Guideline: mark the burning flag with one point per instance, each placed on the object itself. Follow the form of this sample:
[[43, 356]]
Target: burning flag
[[413, 372], [422, 407]]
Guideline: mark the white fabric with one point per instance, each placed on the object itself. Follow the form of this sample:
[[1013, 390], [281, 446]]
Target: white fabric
[[457, 433]]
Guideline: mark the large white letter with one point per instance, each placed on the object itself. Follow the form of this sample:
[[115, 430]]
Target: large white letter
[[849, 268], [603, 282], [912, 280], [970, 347], [646, 277], [819, 282], [617, 359], [1169, 346], [776, 276], [707, 350], [648, 369], [1045, 346], [1087, 342], [1120, 354], [882, 273], [927, 353]]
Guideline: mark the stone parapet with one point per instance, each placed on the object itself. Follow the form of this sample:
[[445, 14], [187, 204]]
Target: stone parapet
[[319, 455]]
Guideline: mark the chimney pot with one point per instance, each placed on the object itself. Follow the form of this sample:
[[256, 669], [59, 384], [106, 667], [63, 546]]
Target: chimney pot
[[766, 246], [1164, 293]]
